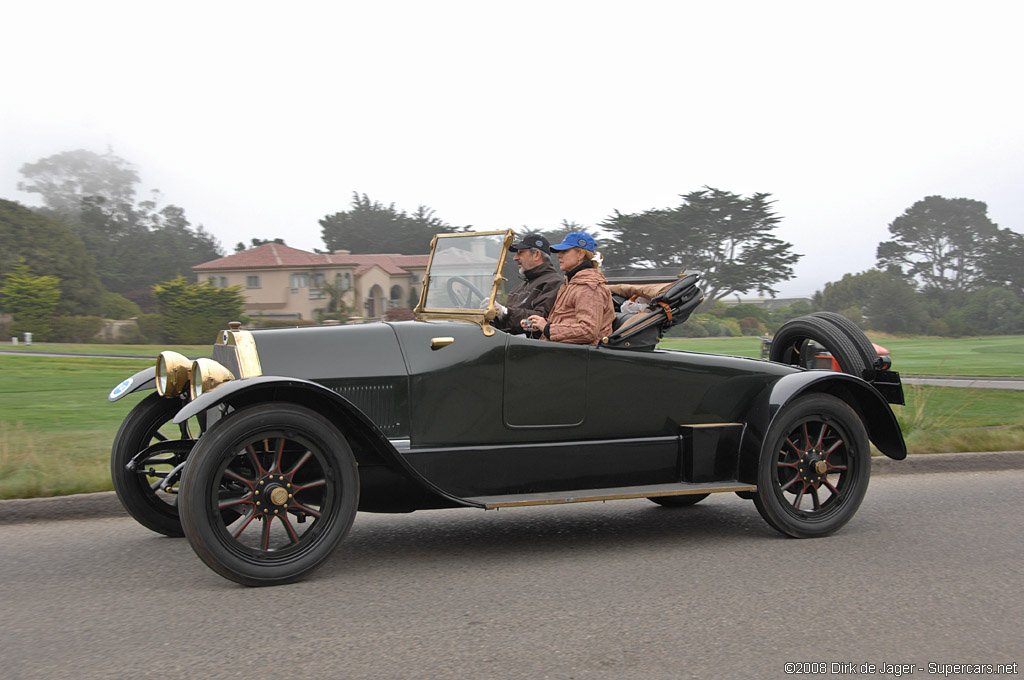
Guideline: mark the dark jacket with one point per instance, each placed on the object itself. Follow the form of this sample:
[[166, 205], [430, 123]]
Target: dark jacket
[[535, 295]]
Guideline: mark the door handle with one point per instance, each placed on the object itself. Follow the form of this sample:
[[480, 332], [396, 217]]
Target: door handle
[[438, 343]]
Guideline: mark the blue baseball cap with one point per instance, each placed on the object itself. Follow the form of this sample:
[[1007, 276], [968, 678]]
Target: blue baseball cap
[[576, 239]]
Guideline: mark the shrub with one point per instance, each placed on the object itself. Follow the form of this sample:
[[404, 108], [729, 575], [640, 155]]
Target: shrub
[[399, 314], [144, 299], [752, 326], [114, 306], [712, 328], [75, 328], [193, 313], [31, 299], [730, 328], [747, 310], [150, 328], [130, 335]]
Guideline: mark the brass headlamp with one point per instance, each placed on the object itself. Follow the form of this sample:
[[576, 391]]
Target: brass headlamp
[[173, 373], [208, 374]]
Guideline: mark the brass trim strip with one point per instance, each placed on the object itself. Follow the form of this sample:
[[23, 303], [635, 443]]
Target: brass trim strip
[[560, 500], [701, 425]]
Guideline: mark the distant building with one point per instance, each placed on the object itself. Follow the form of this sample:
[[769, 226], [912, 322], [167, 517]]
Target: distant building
[[768, 303], [280, 282]]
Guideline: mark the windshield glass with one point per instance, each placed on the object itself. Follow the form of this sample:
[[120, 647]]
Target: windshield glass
[[462, 271]]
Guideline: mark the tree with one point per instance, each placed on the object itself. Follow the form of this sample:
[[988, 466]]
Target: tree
[[725, 237], [371, 227], [256, 242], [1003, 262], [31, 300], [940, 243], [193, 313], [50, 248], [993, 310], [878, 300], [167, 249], [64, 179], [134, 244]]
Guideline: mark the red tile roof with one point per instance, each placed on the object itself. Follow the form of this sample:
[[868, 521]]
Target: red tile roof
[[274, 255]]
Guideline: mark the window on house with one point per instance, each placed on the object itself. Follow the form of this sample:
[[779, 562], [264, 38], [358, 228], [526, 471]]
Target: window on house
[[300, 280], [252, 281], [212, 280], [223, 282]]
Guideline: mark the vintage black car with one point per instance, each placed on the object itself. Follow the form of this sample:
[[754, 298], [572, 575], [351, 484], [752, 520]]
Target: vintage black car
[[263, 454]]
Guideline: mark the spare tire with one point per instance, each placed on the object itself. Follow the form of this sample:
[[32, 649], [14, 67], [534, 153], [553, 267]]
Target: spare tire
[[855, 334], [790, 344]]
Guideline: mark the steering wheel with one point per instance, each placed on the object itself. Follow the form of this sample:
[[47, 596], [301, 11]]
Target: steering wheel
[[463, 298]]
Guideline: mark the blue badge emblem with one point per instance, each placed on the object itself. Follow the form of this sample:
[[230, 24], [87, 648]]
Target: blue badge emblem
[[582, 242], [121, 388]]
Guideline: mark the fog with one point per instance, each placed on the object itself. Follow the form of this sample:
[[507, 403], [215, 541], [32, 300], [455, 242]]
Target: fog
[[259, 118]]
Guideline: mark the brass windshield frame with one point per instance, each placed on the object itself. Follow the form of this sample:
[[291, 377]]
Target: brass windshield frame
[[484, 315]]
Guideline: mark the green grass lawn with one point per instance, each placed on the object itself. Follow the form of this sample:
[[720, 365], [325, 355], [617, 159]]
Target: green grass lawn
[[193, 351], [948, 419], [56, 425], [997, 356]]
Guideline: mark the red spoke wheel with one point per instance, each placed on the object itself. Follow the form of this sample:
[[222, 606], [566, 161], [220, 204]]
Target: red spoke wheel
[[814, 468], [290, 481]]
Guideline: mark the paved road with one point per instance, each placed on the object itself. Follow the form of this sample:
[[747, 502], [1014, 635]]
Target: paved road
[[928, 571], [970, 383]]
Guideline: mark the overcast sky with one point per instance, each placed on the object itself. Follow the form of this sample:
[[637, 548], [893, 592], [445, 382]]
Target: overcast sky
[[260, 118]]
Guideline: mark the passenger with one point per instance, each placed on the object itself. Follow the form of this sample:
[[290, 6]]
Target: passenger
[[583, 311], [536, 294]]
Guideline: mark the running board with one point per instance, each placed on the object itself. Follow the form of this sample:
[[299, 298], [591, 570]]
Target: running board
[[611, 494]]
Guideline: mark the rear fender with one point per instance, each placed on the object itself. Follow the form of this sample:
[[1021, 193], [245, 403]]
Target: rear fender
[[872, 408], [370, 445], [143, 380]]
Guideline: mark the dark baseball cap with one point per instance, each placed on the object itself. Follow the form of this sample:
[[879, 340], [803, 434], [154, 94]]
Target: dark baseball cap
[[531, 241]]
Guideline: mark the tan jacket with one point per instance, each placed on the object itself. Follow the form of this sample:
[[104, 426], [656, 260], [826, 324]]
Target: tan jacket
[[583, 310]]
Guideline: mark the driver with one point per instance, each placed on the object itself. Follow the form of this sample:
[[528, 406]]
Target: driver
[[536, 294]]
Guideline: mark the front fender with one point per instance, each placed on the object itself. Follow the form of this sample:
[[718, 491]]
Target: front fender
[[873, 408], [362, 432], [143, 380]]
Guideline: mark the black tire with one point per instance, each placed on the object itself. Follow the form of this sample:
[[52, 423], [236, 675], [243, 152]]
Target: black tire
[[684, 501], [855, 334], [814, 467], [269, 457], [159, 452], [789, 346]]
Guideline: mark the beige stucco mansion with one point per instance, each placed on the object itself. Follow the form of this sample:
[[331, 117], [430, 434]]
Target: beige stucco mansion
[[280, 282]]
